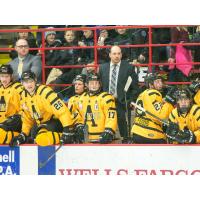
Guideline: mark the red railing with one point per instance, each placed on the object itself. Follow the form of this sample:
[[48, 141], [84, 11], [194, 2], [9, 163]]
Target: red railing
[[150, 44]]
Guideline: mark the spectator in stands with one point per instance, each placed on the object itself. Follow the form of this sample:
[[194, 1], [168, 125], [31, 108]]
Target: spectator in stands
[[67, 57], [195, 39], [160, 54], [123, 37], [51, 56], [103, 40], [25, 61], [87, 55], [70, 56], [26, 36], [114, 76], [59, 34], [179, 54], [139, 54]]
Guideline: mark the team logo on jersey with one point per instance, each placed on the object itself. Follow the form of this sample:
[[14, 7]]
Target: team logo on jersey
[[25, 107], [80, 105], [151, 135], [96, 107]]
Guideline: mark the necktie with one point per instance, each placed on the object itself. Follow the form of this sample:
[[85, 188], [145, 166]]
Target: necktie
[[113, 82], [20, 67]]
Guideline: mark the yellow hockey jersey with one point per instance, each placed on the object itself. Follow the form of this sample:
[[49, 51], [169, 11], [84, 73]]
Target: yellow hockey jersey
[[197, 98], [10, 100], [98, 112], [41, 107], [146, 125], [72, 105], [190, 120]]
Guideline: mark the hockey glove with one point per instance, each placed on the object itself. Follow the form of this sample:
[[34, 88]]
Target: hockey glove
[[106, 137], [67, 137], [20, 139], [80, 131], [186, 137], [172, 130], [171, 96]]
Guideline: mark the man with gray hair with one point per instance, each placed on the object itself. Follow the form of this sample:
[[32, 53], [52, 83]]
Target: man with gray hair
[[25, 61]]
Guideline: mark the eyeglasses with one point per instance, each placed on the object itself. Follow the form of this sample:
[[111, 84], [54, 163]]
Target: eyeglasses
[[23, 46]]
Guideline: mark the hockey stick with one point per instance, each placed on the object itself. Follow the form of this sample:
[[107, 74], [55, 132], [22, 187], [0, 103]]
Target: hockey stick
[[149, 113], [128, 83], [42, 164], [68, 87]]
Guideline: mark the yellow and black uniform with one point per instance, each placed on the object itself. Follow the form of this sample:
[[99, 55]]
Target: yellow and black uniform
[[190, 120], [98, 112], [147, 129], [72, 105], [47, 110], [9, 111], [197, 98]]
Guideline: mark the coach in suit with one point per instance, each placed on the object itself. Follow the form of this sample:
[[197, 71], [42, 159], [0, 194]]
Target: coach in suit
[[25, 61], [114, 76]]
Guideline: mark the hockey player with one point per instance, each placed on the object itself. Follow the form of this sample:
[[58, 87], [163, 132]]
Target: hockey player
[[195, 89], [10, 119], [147, 129], [80, 87], [185, 120], [42, 106], [97, 111]]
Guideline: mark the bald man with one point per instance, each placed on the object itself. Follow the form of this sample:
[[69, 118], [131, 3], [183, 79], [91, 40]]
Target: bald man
[[25, 61], [114, 76]]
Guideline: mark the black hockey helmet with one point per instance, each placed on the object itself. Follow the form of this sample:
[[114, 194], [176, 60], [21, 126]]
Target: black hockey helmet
[[80, 77], [6, 69], [151, 77], [183, 94], [93, 77], [28, 75]]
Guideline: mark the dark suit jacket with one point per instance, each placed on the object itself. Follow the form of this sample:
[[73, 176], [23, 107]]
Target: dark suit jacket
[[125, 71]]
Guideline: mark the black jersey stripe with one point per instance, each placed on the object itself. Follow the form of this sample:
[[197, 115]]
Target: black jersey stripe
[[53, 101], [149, 128], [112, 108], [49, 93], [42, 90], [110, 100], [172, 115], [152, 93], [19, 85], [105, 95], [195, 111], [54, 138]]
